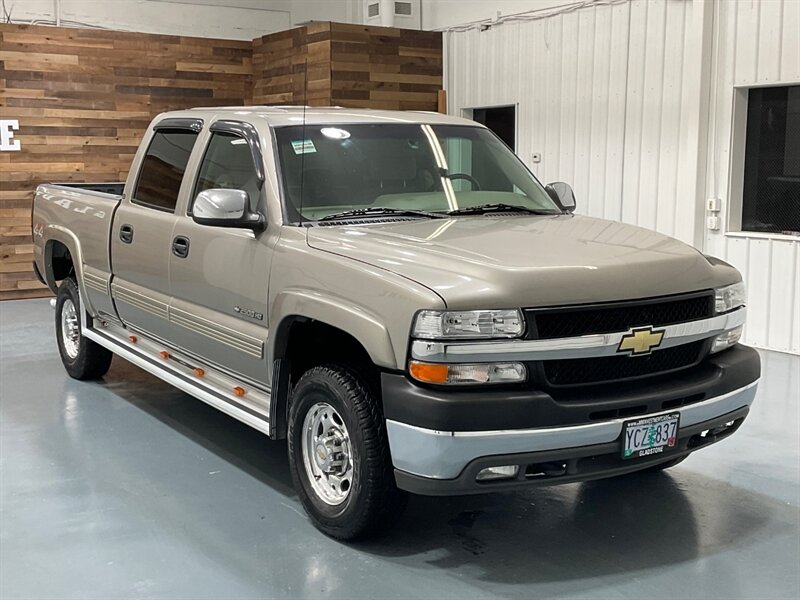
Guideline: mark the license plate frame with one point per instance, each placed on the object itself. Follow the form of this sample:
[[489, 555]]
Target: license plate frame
[[657, 431]]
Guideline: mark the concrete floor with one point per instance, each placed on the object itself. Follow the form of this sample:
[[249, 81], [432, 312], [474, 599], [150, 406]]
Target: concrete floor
[[129, 488]]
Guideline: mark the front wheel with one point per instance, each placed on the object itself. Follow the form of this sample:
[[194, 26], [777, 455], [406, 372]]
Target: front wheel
[[82, 358], [339, 455]]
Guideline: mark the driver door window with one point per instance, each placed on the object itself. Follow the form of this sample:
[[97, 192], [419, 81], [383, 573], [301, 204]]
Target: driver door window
[[228, 164]]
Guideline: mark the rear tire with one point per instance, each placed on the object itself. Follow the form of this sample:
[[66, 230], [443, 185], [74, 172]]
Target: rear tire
[[339, 455], [82, 358]]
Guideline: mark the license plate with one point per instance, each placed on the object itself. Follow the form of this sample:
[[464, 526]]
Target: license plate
[[650, 435]]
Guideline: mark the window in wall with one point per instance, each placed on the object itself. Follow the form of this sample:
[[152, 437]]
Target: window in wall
[[500, 119], [228, 164], [162, 169], [771, 186]]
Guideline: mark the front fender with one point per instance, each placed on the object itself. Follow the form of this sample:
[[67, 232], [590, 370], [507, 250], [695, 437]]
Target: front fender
[[359, 322]]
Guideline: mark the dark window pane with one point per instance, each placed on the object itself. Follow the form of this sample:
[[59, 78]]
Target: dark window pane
[[771, 192], [163, 168], [228, 164]]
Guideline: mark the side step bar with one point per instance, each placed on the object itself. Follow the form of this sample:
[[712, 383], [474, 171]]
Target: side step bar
[[246, 404]]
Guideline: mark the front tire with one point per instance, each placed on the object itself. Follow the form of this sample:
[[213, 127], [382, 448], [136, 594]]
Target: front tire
[[82, 358], [339, 455]]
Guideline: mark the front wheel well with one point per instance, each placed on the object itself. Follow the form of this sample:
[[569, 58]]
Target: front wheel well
[[302, 344]]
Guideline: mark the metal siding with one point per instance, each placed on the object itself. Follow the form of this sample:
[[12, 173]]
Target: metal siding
[[755, 43], [602, 95]]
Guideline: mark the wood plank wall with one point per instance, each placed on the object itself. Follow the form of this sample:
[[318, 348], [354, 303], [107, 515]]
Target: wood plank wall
[[279, 63], [84, 98], [356, 66], [385, 67]]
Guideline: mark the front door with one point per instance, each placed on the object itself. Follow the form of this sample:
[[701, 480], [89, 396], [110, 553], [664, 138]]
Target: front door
[[142, 231], [219, 284]]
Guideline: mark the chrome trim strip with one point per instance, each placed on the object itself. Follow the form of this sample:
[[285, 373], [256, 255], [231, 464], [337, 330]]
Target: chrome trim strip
[[140, 301], [123, 349], [95, 282], [229, 337], [444, 454], [570, 347]]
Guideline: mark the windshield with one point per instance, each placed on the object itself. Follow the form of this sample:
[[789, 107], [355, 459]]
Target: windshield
[[439, 168]]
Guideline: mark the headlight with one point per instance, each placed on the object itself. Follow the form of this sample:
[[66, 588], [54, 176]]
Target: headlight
[[463, 324], [729, 297], [467, 373]]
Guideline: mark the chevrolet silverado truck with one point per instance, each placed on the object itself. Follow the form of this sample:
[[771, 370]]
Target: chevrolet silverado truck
[[397, 296]]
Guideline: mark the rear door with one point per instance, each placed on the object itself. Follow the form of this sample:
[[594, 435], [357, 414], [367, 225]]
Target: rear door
[[219, 284], [141, 236]]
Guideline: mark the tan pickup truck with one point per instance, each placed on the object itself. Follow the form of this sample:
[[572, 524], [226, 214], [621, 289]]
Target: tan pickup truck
[[401, 299]]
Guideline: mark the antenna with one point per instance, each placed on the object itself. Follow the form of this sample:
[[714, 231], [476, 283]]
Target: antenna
[[303, 141]]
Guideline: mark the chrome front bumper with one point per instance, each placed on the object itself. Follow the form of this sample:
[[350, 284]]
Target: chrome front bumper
[[443, 455]]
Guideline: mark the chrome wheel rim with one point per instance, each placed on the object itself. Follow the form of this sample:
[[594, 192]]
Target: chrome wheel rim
[[327, 454], [70, 331]]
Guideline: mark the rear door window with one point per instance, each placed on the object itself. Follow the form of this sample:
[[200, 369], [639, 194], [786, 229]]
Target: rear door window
[[162, 169]]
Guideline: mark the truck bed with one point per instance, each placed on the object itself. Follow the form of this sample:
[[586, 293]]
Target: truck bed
[[113, 189], [75, 219]]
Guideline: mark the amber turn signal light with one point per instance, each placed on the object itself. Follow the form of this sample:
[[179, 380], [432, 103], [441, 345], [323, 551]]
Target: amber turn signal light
[[428, 372]]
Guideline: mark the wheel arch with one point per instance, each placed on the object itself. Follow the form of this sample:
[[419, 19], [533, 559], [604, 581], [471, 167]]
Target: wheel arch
[[313, 330]]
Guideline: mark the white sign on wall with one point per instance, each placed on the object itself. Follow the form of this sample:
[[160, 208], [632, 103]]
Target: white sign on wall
[[7, 141]]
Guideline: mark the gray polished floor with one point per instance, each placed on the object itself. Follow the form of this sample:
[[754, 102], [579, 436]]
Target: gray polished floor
[[129, 488]]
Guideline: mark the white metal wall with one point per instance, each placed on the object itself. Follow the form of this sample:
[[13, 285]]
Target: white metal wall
[[614, 99], [755, 43]]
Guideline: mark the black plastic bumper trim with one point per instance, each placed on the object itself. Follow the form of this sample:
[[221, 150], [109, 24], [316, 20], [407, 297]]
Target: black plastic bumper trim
[[482, 409]]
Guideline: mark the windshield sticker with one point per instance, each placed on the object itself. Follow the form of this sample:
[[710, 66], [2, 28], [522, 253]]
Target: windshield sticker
[[303, 146]]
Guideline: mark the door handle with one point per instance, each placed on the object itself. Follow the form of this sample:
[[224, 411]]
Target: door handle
[[126, 233], [180, 246]]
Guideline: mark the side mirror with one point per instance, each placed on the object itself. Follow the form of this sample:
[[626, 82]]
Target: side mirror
[[226, 208], [562, 194]]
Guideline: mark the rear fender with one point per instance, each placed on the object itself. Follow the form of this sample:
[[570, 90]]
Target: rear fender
[[57, 233]]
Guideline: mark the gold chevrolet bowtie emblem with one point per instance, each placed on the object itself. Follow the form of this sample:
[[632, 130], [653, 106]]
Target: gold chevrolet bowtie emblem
[[641, 341]]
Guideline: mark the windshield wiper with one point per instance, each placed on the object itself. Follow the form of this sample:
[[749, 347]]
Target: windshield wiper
[[380, 210], [500, 207]]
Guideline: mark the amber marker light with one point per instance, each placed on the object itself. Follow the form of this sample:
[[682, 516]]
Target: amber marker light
[[199, 372], [164, 354], [133, 339], [239, 391], [467, 374], [428, 372]]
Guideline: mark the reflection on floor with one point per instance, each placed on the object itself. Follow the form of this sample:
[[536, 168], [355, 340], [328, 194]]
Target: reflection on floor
[[129, 488]]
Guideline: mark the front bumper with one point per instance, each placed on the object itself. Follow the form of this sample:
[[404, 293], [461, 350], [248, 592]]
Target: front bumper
[[528, 428]]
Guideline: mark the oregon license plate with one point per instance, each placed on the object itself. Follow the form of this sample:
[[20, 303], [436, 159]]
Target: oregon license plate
[[650, 435]]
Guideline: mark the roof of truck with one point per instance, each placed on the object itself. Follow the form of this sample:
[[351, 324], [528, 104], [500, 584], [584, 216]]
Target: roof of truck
[[277, 116]]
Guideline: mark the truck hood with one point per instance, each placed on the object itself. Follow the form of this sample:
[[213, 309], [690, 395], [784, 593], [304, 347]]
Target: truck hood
[[510, 261]]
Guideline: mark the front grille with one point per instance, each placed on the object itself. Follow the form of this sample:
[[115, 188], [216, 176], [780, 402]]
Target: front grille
[[582, 371], [548, 323]]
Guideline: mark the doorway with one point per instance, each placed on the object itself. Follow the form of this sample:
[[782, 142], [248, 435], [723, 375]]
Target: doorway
[[502, 120]]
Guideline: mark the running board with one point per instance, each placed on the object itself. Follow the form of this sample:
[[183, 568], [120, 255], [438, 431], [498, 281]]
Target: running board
[[246, 404]]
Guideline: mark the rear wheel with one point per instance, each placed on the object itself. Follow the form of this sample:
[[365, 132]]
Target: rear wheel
[[82, 358], [339, 455]]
